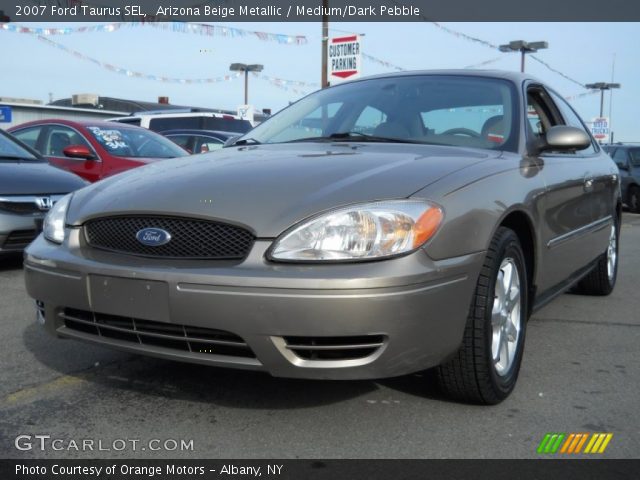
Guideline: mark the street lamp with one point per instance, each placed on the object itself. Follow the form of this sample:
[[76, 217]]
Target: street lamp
[[602, 86], [243, 67], [524, 48]]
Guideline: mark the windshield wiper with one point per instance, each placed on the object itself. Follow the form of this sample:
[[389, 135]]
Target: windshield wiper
[[357, 136], [15, 157]]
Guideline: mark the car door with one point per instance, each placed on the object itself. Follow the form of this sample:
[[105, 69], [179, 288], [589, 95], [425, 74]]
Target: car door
[[568, 217], [53, 142], [603, 175]]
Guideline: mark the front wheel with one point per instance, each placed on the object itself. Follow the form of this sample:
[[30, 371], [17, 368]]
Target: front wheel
[[486, 367]]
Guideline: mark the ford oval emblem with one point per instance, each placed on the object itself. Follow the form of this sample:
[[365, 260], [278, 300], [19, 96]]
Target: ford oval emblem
[[153, 237]]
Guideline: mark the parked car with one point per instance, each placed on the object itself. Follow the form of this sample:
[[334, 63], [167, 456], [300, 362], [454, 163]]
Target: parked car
[[29, 187], [199, 141], [95, 150], [476, 199], [159, 121], [627, 158]]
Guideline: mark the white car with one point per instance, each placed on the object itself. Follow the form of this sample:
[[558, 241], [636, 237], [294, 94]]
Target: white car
[[162, 121]]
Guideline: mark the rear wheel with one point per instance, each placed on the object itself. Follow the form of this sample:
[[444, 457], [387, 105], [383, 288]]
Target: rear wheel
[[633, 199], [602, 279], [486, 367]]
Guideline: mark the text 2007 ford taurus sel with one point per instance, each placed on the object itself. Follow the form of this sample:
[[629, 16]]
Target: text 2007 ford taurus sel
[[372, 229]]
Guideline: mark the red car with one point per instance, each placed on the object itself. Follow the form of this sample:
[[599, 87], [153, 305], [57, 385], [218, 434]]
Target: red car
[[94, 149]]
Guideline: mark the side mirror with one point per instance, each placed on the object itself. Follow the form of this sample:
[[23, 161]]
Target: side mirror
[[560, 138], [622, 166], [78, 151]]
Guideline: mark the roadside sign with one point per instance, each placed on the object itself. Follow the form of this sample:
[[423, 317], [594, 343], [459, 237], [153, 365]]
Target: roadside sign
[[600, 129], [5, 114], [246, 112], [344, 59]]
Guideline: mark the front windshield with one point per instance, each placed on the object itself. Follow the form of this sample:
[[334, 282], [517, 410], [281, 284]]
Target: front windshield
[[432, 109], [12, 150], [135, 142]]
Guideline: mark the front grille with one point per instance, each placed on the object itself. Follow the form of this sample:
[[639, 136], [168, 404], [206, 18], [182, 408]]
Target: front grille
[[190, 238], [334, 348], [206, 341], [19, 239], [20, 208]]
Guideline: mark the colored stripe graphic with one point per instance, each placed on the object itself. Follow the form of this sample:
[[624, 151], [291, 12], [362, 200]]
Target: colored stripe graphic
[[572, 443]]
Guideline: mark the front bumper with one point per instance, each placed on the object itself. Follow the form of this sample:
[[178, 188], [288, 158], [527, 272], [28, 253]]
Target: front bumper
[[17, 231], [349, 321]]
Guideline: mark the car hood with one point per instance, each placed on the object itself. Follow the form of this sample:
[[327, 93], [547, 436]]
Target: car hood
[[32, 178], [268, 188]]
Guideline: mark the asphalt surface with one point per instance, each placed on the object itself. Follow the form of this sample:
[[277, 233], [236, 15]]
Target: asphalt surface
[[581, 373]]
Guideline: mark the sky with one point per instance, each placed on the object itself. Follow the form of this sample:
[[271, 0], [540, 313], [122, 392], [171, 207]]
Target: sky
[[585, 52]]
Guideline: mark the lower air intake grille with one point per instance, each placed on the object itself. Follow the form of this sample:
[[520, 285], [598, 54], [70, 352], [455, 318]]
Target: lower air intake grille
[[168, 335], [19, 239], [190, 238], [334, 348]]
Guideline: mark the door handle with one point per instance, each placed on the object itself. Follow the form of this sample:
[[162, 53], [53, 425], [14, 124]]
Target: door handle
[[588, 184]]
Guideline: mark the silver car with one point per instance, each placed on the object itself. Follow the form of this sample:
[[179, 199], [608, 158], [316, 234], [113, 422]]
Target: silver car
[[29, 187], [373, 229]]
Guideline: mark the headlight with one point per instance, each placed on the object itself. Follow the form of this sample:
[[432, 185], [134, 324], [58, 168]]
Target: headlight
[[361, 232], [54, 221]]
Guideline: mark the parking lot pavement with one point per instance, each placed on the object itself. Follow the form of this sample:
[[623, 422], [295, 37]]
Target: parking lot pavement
[[580, 374]]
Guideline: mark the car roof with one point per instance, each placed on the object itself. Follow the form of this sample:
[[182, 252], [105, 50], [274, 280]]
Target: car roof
[[515, 77], [75, 123], [197, 131]]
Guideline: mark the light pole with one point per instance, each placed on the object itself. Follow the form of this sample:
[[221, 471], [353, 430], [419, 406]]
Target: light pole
[[243, 67], [324, 80], [524, 48], [602, 86]]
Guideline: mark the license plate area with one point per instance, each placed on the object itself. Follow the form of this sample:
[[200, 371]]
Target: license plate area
[[145, 299]]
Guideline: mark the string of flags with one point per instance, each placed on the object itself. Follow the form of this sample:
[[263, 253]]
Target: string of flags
[[581, 95], [48, 31], [287, 85], [464, 36], [216, 30], [133, 73], [539, 60], [379, 61], [178, 27], [485, 43], [482, 64]]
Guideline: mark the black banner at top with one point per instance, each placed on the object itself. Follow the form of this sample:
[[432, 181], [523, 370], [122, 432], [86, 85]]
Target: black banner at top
[[315, 10]]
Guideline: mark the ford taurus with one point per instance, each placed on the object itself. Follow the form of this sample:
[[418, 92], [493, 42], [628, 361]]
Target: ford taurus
[[372, 229]]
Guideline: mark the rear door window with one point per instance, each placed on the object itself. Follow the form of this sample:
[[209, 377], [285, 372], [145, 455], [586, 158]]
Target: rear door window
[[29, 136], [572, 119]]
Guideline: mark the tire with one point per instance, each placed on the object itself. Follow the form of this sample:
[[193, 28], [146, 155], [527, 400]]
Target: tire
[[602, 279], [633, 199], [473, 375]]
